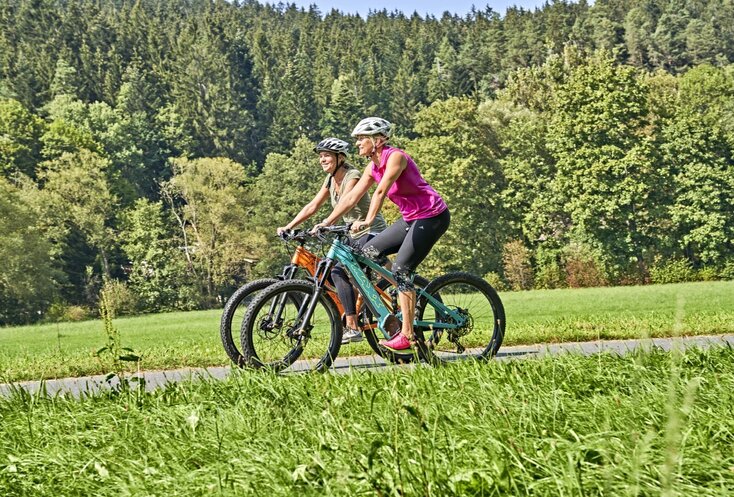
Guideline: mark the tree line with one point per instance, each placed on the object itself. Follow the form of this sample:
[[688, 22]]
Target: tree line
[[155, 146]]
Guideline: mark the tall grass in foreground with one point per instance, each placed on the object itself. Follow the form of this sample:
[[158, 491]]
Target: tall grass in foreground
[[182, 339], [641, 424]]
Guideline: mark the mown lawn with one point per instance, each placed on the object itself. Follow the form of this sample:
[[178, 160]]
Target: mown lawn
[[192, 338], [641, 424]]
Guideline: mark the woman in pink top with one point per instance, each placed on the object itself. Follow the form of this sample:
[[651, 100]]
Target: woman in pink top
[[425, 214]]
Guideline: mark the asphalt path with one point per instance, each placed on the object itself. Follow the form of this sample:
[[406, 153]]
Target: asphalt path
[[88, 385]]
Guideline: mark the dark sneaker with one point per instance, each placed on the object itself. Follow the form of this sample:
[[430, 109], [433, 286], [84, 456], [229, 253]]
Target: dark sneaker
[[351, 335]]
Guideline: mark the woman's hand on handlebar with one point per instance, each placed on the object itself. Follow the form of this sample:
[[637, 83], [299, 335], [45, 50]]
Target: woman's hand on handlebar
[[359, 226], [317, 227]]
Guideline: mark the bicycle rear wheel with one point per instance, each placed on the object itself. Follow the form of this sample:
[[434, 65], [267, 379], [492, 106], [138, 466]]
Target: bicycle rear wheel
[[474, 299], [271, 338], [234, 314]]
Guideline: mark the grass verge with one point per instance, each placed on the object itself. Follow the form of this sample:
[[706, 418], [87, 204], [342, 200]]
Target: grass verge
[[182, 339], [642, 424]]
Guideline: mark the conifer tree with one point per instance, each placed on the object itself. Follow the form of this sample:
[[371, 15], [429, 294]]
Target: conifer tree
[[344, 109]]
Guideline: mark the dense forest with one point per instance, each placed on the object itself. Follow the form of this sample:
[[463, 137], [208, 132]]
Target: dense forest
[[152, 146]]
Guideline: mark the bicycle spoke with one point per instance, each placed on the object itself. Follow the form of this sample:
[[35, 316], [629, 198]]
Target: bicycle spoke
[[234, 314], [476, 325], [274, 333]]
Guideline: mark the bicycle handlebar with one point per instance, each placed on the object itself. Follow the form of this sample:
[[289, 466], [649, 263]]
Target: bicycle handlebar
[[338, 230], [299, 236], [302, 236]]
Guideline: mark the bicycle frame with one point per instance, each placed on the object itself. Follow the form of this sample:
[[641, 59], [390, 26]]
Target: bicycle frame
[[304, 258], [350, 260]]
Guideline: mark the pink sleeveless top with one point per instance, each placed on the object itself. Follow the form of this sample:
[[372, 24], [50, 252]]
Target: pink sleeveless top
[[415, 198]]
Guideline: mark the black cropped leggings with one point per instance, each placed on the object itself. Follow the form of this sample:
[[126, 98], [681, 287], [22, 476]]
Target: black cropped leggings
[[412, 241]]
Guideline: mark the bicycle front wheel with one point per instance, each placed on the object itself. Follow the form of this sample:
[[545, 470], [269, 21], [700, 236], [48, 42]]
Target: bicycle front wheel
[[233, 315], [276, 329], [482, 316]]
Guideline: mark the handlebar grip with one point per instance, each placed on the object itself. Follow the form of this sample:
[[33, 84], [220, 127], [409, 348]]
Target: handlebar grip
[[297, 235]]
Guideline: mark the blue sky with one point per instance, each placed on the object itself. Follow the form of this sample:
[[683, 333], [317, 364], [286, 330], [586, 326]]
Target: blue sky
[[423, 7]]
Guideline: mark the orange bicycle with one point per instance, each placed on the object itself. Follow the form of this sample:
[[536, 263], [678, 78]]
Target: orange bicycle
[[304, 260]]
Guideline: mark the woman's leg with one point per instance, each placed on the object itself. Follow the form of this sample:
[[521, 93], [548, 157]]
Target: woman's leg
[[346, 293], [345, 290], [387, 242], [421, 237]]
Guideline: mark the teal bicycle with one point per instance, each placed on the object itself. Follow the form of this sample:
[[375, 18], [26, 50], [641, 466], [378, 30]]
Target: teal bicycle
[[458, 315]]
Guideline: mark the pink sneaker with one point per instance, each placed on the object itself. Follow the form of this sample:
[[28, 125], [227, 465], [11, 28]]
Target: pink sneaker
[[398, 342]]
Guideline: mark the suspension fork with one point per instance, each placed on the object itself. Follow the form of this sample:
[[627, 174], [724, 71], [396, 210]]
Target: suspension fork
[[323, 269], [289, 271], [276, 306]]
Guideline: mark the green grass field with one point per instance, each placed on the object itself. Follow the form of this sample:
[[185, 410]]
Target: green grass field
[[192, 338], [641, 424]]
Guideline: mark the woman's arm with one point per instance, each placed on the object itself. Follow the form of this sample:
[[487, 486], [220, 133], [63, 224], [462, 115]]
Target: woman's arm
[[349, 186], [308, 210], [396, 164], [348, 201]]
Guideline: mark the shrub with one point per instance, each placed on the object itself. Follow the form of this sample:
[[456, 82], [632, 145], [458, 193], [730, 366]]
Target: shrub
[[119, 298], [727, 272], [76, 313], [516, 262], [633, 274], [707, 273], [496, 281], [583, 267], [549, 275], [548, 270], [60, 312], [672, 271]]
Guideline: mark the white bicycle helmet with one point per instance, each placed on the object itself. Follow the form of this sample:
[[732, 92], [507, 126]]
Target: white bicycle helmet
[[373, 126], [334, 145]]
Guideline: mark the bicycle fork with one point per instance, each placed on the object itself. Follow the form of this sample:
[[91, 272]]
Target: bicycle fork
[[302, 328], [277, 306]]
